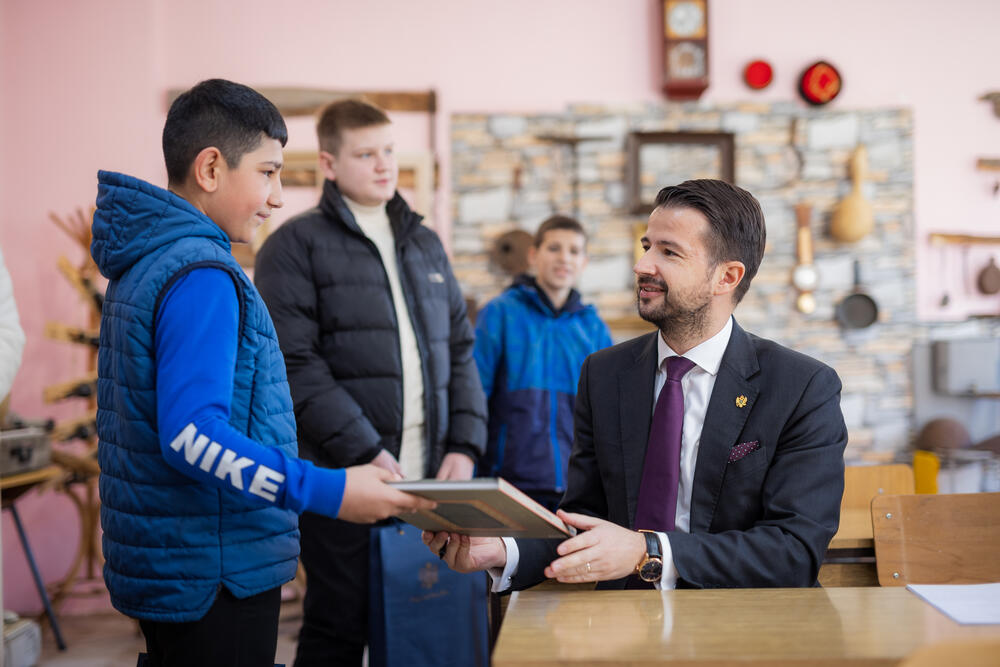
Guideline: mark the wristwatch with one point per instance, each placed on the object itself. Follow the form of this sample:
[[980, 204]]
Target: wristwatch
[[650, 568]]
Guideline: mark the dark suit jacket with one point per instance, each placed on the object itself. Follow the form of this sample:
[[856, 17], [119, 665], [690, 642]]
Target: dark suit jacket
[[761, 520]]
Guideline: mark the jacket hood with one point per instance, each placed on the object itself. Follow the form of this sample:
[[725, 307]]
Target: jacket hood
[[134, 218], [527, 288], [402, 218]]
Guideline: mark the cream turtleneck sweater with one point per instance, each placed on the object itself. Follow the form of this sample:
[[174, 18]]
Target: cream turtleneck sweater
[[374, 223]]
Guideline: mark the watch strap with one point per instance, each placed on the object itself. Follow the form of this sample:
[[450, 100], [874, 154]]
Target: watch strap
[[653, 547]]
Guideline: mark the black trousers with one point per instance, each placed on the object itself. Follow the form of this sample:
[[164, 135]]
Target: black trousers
[[234, 632], [335, 609]]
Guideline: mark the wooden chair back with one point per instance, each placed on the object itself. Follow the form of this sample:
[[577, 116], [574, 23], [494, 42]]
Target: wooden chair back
[[939, 539], [861, 484]]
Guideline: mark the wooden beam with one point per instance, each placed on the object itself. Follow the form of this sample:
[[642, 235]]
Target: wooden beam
[[988, 164], [939, 238], [294, 101]]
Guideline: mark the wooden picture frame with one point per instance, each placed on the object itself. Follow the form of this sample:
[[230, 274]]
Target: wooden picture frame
[[717, 162]]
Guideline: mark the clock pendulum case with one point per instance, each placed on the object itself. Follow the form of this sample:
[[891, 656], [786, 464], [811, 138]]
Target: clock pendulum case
[[685, 48]]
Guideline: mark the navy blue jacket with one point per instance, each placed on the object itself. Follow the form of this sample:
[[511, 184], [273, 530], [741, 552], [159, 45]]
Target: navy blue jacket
[[529, 358]]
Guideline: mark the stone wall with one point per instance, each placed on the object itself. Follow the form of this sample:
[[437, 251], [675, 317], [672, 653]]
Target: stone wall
[[508, 173]]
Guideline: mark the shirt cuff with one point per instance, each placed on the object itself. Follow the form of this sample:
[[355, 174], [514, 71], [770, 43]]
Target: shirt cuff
[[669, 579], [502, 577]]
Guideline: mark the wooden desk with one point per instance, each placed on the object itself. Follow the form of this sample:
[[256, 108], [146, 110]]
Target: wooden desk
[[811, 626], [13, 486]]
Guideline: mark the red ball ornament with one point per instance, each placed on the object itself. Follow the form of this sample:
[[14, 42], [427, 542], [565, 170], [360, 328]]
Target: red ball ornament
[[820, 83], [758, 74]]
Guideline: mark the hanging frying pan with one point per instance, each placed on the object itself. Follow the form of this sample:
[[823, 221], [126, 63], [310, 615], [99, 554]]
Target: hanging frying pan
[[857, 310]]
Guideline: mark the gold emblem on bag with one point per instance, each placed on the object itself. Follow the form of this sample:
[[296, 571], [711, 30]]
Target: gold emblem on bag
[[428, 575]]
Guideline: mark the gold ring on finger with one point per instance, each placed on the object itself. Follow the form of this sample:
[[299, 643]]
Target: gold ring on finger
[[588, 567]]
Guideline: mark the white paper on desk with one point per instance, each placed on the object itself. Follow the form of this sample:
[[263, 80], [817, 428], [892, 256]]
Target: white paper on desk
[[967, 604]]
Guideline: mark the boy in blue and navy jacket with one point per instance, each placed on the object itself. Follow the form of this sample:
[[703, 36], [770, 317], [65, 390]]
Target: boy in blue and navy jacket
[[200, 483], [530, 344]]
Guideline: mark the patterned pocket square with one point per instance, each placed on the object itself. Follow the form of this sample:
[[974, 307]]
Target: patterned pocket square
[[742, 449]]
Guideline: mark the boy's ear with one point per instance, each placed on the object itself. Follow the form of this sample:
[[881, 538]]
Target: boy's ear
[[328, 165], [532, 256], [206, 168]]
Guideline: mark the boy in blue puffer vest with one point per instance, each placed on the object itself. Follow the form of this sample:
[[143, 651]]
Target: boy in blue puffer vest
[[530, 344], [200, 481]]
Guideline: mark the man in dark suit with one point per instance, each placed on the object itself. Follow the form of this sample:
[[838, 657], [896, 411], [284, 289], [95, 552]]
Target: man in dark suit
[[734, 478]]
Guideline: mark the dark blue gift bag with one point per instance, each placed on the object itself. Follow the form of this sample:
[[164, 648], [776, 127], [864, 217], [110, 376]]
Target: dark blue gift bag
[[422, 614]]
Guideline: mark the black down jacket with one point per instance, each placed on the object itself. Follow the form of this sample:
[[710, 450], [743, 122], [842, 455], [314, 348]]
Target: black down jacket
[[326, 287]]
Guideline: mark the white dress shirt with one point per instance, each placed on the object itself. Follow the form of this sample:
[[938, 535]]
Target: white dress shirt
[[374, 223], [697, 386]]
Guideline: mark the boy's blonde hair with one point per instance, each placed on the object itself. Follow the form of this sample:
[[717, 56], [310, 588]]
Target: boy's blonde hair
[[345, 115]]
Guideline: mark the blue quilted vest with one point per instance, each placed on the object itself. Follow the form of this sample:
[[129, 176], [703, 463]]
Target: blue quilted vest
[[169, 542]]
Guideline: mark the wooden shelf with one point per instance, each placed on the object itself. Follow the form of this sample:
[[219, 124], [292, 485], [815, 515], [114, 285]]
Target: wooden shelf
[[988, 164], [940, 238]]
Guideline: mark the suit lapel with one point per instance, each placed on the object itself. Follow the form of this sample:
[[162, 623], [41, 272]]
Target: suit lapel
[[635, 410], [723, 422]]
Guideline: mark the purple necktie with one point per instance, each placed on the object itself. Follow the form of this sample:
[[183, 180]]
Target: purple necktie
[[662, 468]]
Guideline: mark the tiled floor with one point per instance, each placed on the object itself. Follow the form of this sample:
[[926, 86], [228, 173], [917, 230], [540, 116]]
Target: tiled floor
[[113, 640]]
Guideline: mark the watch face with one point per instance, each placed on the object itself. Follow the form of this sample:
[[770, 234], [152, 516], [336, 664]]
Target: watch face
[[805, 277], [686, 60], [685, 18], [651, 570]]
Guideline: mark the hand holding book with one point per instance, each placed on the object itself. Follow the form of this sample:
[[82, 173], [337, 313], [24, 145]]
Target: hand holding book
[[484, 507]]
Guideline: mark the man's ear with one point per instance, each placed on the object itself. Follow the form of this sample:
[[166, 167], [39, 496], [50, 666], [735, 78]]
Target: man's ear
[[207, 168], [727, 276], [328, 165]]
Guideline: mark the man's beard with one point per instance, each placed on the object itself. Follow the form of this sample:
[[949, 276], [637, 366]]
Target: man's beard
[[673, 320]]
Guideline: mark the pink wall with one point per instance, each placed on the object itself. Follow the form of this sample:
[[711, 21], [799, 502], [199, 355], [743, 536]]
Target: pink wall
[[83, 85]]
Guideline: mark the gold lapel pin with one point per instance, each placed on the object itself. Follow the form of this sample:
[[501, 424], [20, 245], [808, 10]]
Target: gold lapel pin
[[741, 401]]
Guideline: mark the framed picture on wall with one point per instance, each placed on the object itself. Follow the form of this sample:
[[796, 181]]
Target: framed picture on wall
[[655, 160]]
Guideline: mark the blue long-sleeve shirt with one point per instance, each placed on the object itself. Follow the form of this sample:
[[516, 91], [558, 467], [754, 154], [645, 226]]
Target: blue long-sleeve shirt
[[197, 326]]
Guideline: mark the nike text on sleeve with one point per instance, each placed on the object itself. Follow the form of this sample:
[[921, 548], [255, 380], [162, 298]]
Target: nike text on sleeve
[[264, 482]]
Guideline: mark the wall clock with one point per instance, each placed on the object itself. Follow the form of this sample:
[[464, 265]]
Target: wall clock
[[685, 48]]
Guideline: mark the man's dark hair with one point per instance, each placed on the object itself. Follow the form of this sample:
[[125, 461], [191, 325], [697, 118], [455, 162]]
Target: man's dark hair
[[735, 222], [219, 113], [349, 114], [558, 222]]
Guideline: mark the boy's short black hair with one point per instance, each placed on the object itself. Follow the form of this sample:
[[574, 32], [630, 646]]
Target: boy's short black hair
[[219, 113], [558, 222], [736, 229]]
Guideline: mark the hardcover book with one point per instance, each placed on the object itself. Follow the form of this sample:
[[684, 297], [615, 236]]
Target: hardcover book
[[483, 507]]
